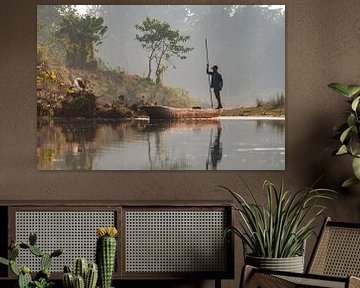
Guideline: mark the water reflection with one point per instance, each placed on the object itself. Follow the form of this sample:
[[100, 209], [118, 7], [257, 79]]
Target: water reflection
[[215, 149], [276, 126], [142, 145], [161, 152]]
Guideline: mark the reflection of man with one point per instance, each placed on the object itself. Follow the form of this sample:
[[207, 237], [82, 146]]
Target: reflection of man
[[216, 83], [215, 150]]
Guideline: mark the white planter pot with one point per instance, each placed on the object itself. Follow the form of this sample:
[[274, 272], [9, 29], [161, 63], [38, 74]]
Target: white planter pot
[[291, 264]]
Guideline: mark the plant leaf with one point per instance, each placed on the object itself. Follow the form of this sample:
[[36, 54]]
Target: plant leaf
[[341, 127], [349, 182], [356, 167], [14, 268], [345, 134], [342, 150], [355, 103], [353, 89], [340, 88], [351, 119], [4, 261], [354, 144]]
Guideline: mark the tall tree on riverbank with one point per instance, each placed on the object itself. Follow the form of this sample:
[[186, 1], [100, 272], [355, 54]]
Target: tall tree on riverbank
[[162, 44], [80, 35]]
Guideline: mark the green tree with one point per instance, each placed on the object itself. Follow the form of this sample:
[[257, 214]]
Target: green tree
[[80, 35], [161, 43]]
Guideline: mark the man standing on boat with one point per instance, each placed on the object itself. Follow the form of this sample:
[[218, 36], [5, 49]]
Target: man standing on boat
[[216, 83]]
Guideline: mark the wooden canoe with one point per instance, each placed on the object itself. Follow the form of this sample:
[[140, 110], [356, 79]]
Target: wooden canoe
[[166, 112]]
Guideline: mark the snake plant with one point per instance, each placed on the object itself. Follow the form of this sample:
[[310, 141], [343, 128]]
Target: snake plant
[[279, 228]]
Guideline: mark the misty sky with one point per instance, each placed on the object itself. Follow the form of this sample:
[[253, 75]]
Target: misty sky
[[247, 42]]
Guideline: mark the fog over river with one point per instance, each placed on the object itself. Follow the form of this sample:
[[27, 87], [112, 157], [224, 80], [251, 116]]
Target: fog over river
[[247, 42]]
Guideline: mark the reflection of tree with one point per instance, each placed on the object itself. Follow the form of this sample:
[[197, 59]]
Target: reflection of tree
[[81, 160], [159, 155], [160, 158], [215, 149], [79, 131], [50, 144], [65, 145], [74, 144]]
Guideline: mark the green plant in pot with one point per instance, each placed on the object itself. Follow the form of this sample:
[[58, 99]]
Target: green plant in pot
[[348, 132], [42, 278], [84, 274], [275, 233]]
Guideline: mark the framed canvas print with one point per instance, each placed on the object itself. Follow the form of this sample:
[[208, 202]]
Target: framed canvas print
[[161, 87]]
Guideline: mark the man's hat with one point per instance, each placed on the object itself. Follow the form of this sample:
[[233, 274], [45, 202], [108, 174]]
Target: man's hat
[[215, 67]]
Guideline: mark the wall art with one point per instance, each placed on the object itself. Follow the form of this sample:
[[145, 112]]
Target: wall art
[[161, 87]]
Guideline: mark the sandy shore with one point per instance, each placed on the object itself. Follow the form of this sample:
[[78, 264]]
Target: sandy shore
[[251, 118]]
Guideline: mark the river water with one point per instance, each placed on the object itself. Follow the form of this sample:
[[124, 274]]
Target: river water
[[226, 143]]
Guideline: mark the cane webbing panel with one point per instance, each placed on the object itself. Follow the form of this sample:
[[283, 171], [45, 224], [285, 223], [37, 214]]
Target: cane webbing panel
[[74, 231], [175, 241], [267, 280], [313, 282], [338, 252]]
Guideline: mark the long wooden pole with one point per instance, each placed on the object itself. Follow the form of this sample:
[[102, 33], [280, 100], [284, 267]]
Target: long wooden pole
[[207, 62]]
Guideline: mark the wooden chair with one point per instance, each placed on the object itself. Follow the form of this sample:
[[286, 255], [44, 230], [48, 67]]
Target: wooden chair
[[335, 262]]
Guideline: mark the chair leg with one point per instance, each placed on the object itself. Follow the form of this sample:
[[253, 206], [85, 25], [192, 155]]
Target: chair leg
[[217, 283], [246, 273]]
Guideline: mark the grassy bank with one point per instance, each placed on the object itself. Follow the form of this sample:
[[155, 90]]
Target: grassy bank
[[274, 106], [110, 93], [253, 111]]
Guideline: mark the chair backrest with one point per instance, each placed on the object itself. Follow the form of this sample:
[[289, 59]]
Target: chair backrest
[[337, 251]]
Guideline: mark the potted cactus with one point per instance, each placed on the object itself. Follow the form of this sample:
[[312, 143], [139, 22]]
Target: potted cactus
[[106, 254], [42, 278], [84, 275]]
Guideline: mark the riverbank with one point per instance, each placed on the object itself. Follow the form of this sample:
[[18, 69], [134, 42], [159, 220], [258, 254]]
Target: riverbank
[[254, 111], [122, 112], [64, 91]]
